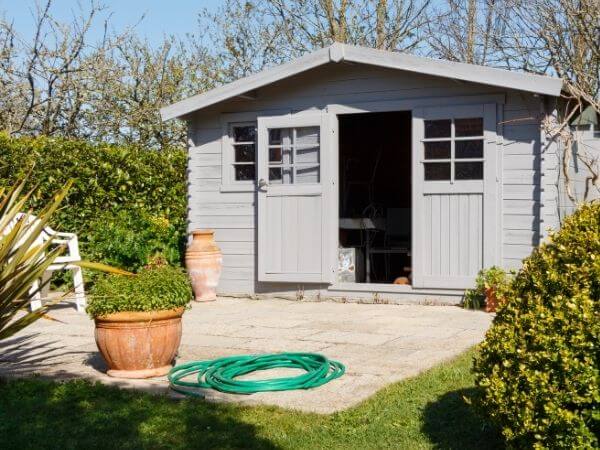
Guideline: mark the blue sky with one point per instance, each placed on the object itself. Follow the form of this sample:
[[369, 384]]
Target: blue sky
[[161, 16]]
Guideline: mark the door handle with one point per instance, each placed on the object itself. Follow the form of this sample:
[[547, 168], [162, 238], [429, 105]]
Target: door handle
[[262, 183]]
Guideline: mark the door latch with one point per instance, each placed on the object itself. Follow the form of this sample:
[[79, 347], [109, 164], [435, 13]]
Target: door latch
[[262, 183]]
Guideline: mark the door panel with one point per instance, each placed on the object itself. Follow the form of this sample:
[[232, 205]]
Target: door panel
[[454, 195], [453, 246], [291, 199]]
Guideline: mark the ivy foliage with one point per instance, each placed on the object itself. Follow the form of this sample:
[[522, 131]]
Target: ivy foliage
[[114, 188], [539, 363], [154, 288]]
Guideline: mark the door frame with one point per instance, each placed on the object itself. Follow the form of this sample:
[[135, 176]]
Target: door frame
[[334, 110]]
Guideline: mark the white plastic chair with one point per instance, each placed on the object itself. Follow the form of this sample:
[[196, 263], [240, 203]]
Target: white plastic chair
[[63, 262]]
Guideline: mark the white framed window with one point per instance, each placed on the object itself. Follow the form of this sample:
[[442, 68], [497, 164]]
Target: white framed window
[[239, 156], [453, 149], [294, 155]]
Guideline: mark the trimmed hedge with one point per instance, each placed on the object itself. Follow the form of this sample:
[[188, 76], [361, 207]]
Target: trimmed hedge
[[108, 179], [539, 363]]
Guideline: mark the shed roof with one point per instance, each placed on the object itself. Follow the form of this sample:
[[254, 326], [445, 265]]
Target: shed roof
[[342, 52]]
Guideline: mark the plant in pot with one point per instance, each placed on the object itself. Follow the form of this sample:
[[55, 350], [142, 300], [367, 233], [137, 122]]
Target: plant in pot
[[138, 319], [488, 285]]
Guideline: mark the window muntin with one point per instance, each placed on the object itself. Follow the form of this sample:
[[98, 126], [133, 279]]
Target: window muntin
[[294, 155], [453, 149], [243, 146]]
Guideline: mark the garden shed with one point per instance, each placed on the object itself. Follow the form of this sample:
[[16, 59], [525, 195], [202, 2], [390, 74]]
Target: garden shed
[[359, 173]]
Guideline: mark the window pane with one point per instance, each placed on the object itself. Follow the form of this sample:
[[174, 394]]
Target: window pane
[[468, 127], [275, 136], [307, 174], [244, 134], [437, 171], [437, 150], [307, 155], [468, 171], [437, 128], [280, 175], [244, 153], [244, 172], [275, 155], [278, 155], [307, 136], [468, 149]]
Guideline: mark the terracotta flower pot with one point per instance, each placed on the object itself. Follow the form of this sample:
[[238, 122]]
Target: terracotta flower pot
[[203, 260], [491, 300], [139, 344]]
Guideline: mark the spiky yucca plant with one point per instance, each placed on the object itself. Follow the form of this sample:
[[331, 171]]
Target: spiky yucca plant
[[23, 259]]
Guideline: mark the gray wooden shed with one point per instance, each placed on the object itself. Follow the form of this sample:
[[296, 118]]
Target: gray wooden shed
[[340, 172]]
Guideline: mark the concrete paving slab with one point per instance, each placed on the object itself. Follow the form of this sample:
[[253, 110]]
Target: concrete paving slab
[[379, 344]]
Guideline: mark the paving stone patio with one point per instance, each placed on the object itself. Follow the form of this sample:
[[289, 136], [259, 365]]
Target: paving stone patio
[[379, 344]]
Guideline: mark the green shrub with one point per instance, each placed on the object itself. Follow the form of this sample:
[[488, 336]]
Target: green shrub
[[495, 277], [107, 179], [539, 363], [154, 288], [129, 240]]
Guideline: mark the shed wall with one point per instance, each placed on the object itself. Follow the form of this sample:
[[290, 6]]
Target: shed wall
[[232, 214]]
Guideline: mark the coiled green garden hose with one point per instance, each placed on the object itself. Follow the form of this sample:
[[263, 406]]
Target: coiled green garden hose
[[222, 373]]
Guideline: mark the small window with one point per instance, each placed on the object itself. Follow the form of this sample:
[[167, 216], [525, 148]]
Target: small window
[[243, 152], [468, 127], [453, 149], [294, 155], [437, 128], [437, 150], [437, 171], [469, 149]]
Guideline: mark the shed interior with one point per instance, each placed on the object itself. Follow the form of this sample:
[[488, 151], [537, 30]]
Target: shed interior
[[375, 190]]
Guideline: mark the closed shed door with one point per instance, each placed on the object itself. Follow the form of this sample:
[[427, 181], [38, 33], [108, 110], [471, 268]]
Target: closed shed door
[[291, 170], [454, 194]]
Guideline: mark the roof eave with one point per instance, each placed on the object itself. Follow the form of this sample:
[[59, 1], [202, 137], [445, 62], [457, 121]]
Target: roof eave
[[505, 79], [249, 83], [537, 84]]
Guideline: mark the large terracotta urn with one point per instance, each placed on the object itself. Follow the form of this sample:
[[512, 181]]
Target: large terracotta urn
[[203, 260], [139, 344]]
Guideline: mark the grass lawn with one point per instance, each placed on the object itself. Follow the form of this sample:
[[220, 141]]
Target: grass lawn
[[427, 411]]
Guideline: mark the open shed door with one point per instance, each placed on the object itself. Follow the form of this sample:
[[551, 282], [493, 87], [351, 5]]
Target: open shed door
[[292, 218], [455, 190]]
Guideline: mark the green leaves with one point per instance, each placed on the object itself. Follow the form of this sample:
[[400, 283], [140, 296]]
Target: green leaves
[[494, 277], [114, 182], [23, 256], [129, 240], [540, 363], [152, 289]]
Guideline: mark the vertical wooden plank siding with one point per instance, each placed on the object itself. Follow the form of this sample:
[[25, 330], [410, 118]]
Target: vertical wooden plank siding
[[454, 224]]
